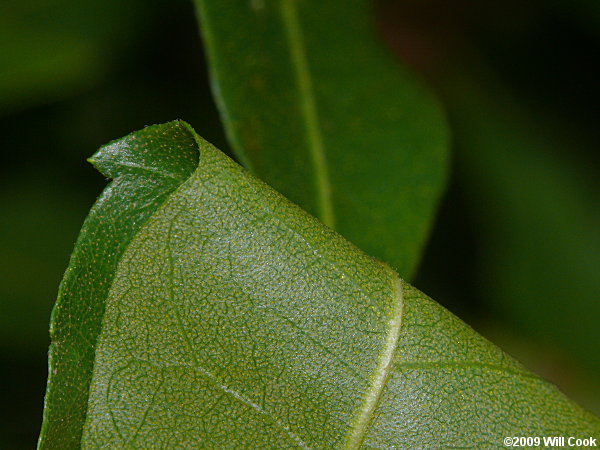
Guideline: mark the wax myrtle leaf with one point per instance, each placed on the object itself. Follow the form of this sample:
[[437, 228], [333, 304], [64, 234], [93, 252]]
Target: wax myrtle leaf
[[206, 310], [145, 168], [313, 104]]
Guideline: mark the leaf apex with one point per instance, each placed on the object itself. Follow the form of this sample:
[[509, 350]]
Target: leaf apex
[[150, 151]]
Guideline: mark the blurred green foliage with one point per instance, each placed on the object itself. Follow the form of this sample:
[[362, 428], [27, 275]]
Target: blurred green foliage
[[533, 202], [39, 219], [520, 218], [50, 49], [520, 89]]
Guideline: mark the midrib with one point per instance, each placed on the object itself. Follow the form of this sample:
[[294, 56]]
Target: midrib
[[309, 111], [381, 375]]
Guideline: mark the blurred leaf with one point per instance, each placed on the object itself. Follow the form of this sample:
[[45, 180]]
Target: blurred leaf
[[536, 204], [38, 222], [210, 311], [50, 48], [314, 105]]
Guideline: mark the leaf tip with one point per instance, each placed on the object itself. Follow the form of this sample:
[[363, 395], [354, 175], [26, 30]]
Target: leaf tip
[[167, 150]]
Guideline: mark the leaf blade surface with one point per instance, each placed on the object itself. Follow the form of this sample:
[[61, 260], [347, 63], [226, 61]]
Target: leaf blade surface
[[234, 318], [117, 215]]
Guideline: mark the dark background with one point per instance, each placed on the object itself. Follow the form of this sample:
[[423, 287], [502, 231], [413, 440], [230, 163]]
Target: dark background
[[515, 249]]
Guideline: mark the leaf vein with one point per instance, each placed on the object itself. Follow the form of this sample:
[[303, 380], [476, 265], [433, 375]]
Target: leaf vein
[[309, 111], [273, 420], [463, 365], [382, 372]]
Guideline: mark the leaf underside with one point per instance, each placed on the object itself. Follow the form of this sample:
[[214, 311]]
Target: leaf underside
[[314, 105], [227, 317]]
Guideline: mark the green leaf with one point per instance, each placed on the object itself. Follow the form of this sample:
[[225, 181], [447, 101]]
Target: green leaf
[[206, 310], [52, 48], [145, 170], [314, 105]]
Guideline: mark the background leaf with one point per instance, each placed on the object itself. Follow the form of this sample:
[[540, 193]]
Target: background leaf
[[314, 105], [51, 49], [523, 225], [234, 318], [536, 203], [36, 240]]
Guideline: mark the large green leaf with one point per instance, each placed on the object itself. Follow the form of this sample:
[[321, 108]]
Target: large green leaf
[[313, 104], [205, 310], [145, 172]]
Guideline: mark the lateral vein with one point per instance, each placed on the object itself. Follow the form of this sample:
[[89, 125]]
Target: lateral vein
[[309, 111]]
